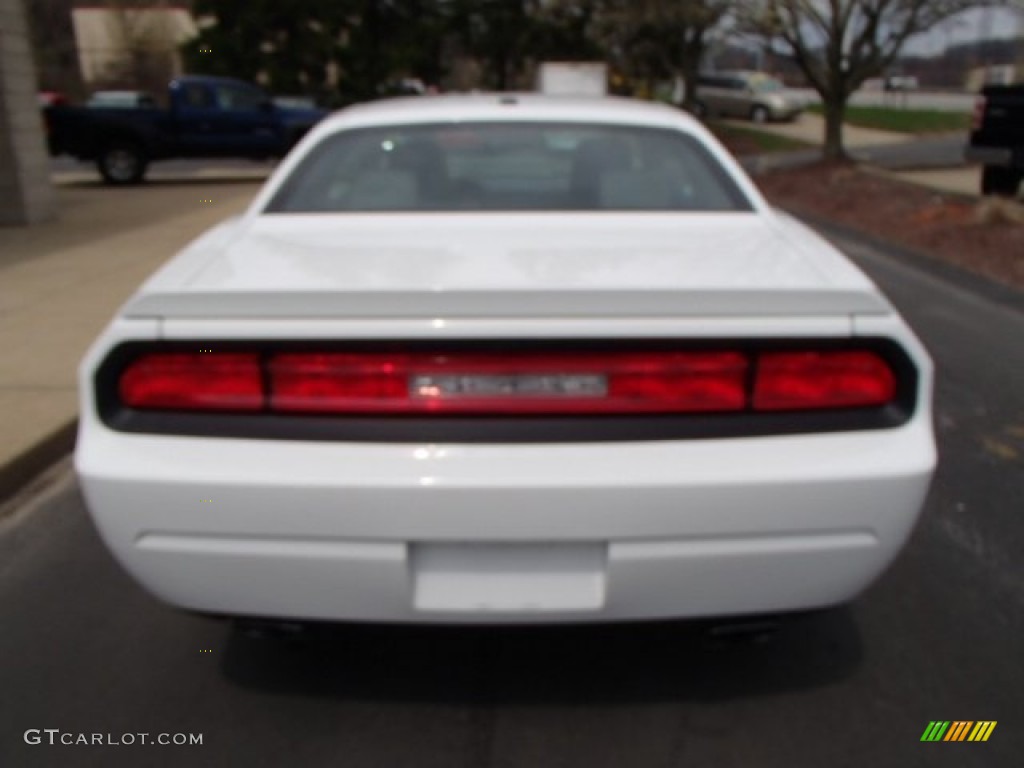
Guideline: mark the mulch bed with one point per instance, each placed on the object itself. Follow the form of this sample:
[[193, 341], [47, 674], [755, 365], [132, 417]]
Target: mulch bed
[[985, 237]]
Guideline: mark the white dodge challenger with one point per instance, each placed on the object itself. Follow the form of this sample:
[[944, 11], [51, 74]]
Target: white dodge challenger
[[506, 358]]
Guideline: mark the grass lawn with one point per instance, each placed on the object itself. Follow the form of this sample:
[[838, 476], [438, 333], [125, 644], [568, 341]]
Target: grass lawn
[[903, 120], [750, 141]]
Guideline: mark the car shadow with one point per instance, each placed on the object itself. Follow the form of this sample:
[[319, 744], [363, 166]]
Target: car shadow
[[593, 665]]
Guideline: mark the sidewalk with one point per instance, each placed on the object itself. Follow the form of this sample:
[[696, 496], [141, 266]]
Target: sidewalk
[[964, 181], [810, 128], [62, 282]]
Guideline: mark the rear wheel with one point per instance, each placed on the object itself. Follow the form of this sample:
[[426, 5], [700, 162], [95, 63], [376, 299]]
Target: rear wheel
[[996, 180], [122, 163], [759, 115]]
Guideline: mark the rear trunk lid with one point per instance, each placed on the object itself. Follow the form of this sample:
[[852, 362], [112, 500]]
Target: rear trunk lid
[[508, 265]]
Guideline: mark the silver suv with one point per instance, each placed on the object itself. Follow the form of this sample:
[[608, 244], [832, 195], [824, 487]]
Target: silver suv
[[753, 95]]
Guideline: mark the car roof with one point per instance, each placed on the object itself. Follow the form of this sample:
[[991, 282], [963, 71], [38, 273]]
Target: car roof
[[502, 107]]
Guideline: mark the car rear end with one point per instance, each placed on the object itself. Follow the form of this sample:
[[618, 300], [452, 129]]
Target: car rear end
[[997, 123], [506, 419], [996, 139]]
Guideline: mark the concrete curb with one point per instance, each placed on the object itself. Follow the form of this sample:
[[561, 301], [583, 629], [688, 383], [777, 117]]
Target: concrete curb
[[26, 466]]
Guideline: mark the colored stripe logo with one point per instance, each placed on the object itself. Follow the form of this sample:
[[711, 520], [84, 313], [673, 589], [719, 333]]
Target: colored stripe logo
[[958, 730]]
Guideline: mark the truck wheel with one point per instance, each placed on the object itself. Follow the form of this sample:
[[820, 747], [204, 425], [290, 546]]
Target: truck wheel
[[759, 115], [122, 163], [996, 180]]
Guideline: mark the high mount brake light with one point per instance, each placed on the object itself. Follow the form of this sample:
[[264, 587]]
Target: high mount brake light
[[517, 383]]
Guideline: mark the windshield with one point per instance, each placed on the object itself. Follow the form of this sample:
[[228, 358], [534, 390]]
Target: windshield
[[508, 167]]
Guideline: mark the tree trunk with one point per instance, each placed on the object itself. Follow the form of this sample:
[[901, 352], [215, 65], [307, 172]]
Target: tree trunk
[[835, 111], [501, 71], [690, 71]]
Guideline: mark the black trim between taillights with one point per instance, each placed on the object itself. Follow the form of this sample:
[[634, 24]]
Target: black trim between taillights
[[510, 429]]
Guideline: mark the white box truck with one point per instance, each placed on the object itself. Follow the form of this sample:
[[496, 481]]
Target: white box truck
[[573, 78]]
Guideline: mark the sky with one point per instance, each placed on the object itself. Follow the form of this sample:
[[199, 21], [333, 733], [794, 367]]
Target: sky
[[968, 27]]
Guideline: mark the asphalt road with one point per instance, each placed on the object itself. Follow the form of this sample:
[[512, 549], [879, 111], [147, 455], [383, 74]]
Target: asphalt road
[[924, 153], [941, 636]]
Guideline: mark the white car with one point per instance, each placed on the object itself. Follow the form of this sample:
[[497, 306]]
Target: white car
[[499, 359]]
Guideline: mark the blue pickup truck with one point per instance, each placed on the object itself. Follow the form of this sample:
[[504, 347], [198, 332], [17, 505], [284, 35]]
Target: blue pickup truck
[[206, 117]]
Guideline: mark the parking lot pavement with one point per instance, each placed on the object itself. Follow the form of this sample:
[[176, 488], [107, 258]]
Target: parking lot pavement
[[925, 153], [65, 170], [60, 284]]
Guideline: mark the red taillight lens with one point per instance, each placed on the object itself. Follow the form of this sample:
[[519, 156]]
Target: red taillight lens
[[467, 383], [193, 381], [815, 380]]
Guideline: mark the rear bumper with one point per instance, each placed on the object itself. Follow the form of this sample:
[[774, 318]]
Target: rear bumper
[[506, 533]]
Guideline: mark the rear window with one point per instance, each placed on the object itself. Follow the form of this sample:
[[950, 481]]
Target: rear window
[[508, 167]]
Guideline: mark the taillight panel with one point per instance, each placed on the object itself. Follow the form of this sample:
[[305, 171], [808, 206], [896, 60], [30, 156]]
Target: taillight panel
[[506, 390], [469, 383]]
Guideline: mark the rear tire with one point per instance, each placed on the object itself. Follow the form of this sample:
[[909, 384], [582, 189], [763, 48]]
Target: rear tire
[[759, 115], [1003, 182], [122, 163]]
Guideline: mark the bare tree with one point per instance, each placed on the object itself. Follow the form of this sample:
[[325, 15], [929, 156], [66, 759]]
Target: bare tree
[[664, 38], [839, 44], [143, 37]]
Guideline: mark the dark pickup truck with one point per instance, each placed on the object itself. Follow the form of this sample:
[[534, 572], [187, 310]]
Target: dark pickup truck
[[206, 117], [997, 139]]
